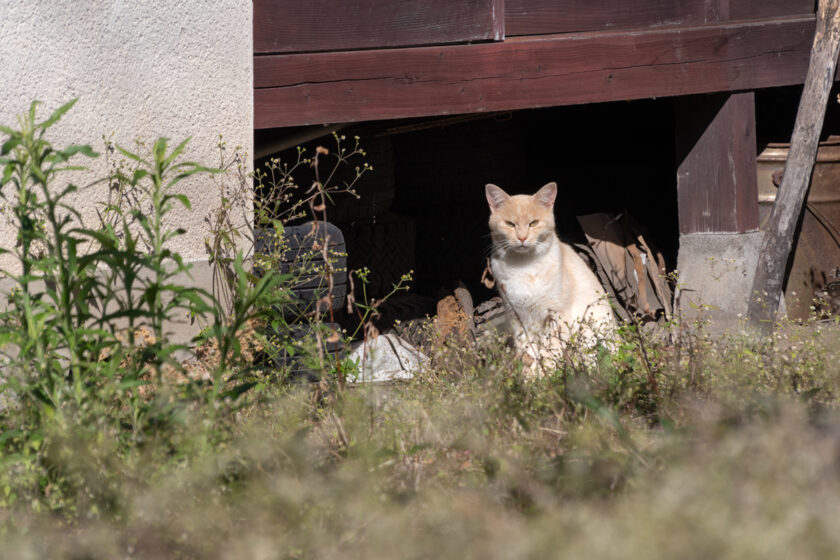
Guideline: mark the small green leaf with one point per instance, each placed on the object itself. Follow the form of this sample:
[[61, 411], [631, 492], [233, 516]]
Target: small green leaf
[[8, 434], [9, 145], [182, 198], [7, 173], [57, 114], [138, 175], [84, 149], [32, 107], [159, 151], [239, 390], [132, 383], [129, 155], [176, 152]]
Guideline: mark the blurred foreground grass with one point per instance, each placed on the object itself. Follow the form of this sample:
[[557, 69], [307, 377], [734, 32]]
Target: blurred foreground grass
[[705, 448]]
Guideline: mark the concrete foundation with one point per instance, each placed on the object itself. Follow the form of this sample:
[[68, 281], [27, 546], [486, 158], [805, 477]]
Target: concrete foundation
[[716, 273]]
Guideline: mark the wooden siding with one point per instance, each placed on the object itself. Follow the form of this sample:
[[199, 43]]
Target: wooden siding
[[755, 9], [537, 17], [529, 72], [288, 26]]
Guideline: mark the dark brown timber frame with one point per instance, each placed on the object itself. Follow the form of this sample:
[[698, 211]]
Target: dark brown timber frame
[[530, 17], [291, 26], [520, 73], [545, 53]]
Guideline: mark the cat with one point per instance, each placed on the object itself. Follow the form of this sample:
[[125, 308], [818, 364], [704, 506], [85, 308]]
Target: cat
[[555, 297]]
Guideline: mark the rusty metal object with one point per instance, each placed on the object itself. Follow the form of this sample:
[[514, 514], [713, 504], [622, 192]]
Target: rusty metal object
[[454, 317], [829, 299], [634, 272], [816, 251]]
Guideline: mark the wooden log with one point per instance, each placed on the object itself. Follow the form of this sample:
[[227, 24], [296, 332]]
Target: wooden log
[[717, 187], [528, 72], [288, 26], [787, 209]]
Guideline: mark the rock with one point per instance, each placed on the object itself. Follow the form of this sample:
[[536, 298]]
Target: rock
[[385, 358]]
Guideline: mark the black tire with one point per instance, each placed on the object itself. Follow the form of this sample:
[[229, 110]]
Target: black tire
[[308, 298], [305, 260], [300, 240]]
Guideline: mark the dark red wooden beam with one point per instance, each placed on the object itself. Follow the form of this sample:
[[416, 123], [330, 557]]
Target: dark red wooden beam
[[755, 9], [539, 17], [529, 72], [290, 26]]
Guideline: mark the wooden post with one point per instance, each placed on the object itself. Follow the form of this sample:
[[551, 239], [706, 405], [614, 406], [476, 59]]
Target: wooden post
[[769, 274], [717, 188]]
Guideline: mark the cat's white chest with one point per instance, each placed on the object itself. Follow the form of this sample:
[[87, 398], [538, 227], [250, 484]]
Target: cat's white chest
[[532, 287]]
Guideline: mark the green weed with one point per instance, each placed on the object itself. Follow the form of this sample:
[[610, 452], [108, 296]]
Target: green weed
[[678, 444]]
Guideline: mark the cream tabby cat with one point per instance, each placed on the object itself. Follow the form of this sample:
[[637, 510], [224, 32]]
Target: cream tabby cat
[[554, 295]]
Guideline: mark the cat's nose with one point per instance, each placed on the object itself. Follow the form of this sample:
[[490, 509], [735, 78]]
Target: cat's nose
[[522, 238]]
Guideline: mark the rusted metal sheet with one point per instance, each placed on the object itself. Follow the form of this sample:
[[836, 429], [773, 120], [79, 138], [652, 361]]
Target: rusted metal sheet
[[815, 260], [634, 272]]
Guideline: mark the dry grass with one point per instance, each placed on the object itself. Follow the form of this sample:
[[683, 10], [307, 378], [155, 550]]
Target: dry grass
[[738, 456]]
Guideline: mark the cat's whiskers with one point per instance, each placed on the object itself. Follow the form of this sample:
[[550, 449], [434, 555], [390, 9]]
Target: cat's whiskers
[[496, 245]]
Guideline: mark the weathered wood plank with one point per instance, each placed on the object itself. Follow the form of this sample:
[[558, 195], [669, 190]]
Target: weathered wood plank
[[717, 188], [528, 72], [541, 17], [757, 9], [287, 26], [536, 17]]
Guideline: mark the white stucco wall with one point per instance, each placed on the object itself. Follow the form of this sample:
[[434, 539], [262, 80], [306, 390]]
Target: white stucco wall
[[141, 69]]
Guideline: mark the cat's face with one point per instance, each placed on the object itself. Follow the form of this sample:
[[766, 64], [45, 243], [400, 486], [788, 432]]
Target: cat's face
[[521, 222]]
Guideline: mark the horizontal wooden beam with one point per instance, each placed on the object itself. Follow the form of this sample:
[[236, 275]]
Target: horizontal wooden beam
[[733, 10], [540, 17], [529, 72], [755, 9], [289, 26]]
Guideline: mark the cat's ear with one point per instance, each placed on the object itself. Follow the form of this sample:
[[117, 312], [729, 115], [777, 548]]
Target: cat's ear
[[547, 194], [495, 196]]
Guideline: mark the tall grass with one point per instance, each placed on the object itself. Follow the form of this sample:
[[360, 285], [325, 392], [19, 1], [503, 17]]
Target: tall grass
[[479, 462], [83, 334], [677, 445]]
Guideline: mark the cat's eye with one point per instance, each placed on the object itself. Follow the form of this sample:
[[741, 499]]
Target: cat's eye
[[510, 224], [533, 223]]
